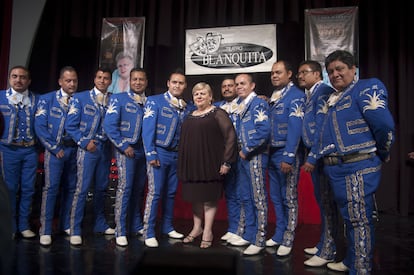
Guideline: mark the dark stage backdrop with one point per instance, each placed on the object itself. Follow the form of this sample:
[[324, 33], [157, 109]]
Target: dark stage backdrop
[[5, 32], [69, 34]]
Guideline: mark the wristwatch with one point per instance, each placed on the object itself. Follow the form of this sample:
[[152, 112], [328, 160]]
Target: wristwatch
[[228, 165]]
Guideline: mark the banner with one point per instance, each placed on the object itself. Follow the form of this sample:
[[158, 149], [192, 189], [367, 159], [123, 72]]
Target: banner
[[330, 29], [230, 49], [122, 48]]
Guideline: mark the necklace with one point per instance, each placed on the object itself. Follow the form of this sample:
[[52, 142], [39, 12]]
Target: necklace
[[203, 111]]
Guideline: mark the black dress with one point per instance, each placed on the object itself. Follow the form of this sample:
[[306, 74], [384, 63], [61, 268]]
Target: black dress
[[206, 142]]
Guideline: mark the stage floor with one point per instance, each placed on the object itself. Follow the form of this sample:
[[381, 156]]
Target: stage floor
[[394, 253]]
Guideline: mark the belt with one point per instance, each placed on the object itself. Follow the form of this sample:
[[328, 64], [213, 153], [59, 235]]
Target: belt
[[335, 160], [23, 143], [69, 143]]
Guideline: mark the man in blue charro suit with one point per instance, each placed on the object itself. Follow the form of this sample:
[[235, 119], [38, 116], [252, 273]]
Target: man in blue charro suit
[[163, 116], [123, 126], [286, 115], [19, 157], [60, 154], [253, 131], [231, 193], [84, 124], [355, 139], [310, 78]]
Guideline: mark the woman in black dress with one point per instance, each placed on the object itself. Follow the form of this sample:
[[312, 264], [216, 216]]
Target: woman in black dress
[[207, 149]]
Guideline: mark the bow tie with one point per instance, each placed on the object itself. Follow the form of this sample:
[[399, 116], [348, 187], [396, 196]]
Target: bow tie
[[139, 99], [276, 96], [333, 98], [101, 99], [65, 99], [230, 107], [240, 108], [19, 99], [178, 103]]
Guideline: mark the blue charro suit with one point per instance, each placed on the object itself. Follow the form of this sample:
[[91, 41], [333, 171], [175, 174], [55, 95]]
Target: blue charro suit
[[50, 120], [319, 94], [123, 126], [19, 158], [83, 124], [356, 135], [286, 112], [231, 191], [163, 117], [253, 136]]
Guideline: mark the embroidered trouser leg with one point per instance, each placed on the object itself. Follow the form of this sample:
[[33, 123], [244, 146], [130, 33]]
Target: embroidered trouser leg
[[284, 196], [60, 174], [251, 177], [354, 185], [19, 165], [162, 184], [129, 193]]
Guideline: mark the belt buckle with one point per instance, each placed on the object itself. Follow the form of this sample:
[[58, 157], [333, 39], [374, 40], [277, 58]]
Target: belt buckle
[[357, 157], [23, 143], [332, 160], [27, 143]]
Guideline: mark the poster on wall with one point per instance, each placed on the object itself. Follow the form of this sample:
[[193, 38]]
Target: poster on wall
[[330, 29], [122, 48], [225, 50]]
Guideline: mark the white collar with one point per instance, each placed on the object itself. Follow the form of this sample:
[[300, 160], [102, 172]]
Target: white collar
[[63, 93], [97, 92], [313, 87], [249, 97]]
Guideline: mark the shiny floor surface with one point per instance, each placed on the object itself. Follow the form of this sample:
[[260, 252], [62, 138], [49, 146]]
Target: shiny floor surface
[[394, 254]]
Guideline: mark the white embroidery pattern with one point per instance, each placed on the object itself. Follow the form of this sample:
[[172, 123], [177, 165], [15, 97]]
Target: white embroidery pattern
[[297, 111], [40, 111], [374, 102], [148, 112], [260, 116], [112, 108]]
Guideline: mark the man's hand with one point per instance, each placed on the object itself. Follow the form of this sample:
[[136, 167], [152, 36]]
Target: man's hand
[[308, 167], [60, 154], [91, 147], [242, 155], [129, 152], [285, 167], [155, 163]]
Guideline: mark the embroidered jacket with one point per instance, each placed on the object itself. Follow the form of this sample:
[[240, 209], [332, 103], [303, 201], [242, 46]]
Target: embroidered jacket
[[162, 123], [286, 117], [312, 119], [123, 119], [12, 127], [253, 126], [50, 120], [359, 121], [85, 117]]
